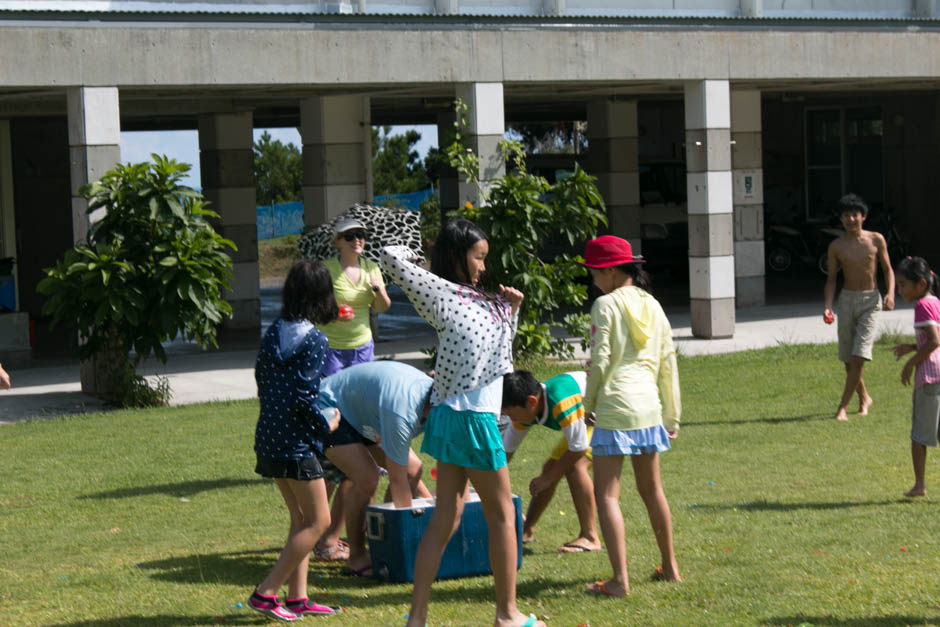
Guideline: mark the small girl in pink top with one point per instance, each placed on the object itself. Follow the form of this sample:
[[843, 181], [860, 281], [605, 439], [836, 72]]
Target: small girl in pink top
[[917, 282]]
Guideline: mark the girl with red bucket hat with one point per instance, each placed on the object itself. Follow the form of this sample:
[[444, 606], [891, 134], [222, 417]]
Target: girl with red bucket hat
[[633, 391]]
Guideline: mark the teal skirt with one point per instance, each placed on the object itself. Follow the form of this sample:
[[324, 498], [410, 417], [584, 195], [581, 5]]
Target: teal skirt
[[463, 438]]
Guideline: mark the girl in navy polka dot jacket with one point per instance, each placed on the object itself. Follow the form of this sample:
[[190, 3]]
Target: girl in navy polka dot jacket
[[475, 331], [290, 431]]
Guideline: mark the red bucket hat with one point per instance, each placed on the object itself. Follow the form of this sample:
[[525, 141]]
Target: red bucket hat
[[607, 250]]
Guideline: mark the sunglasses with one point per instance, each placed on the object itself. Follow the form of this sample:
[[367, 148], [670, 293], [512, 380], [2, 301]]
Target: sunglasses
[[353, 235]]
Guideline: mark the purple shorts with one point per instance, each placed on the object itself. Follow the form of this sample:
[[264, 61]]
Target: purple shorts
[[340, 358]]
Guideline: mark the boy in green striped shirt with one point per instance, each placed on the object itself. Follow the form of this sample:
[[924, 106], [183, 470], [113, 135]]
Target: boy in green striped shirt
[[557, 404]]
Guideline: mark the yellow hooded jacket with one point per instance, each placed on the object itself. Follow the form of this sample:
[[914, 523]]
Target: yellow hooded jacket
[[633, 363]]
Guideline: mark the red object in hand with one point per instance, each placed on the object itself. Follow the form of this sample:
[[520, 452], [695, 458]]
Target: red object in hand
[[828, 318], [434, 472], [346, 312]]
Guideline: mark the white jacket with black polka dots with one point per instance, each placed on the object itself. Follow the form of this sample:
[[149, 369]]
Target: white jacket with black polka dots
[[474, 331]]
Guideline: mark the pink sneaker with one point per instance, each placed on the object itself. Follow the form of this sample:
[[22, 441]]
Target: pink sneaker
[[302, 607], [271, 606]]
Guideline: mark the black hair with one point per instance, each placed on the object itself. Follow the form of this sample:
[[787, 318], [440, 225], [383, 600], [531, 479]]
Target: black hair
[[517, 385], [308, 293], [851, 203], [916, 268], [453, 243], [641, 277]]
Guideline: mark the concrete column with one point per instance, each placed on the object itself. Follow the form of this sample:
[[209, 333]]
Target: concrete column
[[486, 127], [711, 241], [925, 8], [447, 7], [228, 182], [748, 186], [752, 8], [449, 181], [337, 136], [614, 158], [94, 122], [94, 144], [553, 7]]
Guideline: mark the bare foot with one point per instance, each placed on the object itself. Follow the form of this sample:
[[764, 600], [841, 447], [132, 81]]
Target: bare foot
[[863, 405], [841, 416], [662, 575], [916, 491], [580, 545], [528, 535], [518, 621], [609, 588]]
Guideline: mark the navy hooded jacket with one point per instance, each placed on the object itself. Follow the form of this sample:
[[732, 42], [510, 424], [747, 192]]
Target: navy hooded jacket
[[287, 372]]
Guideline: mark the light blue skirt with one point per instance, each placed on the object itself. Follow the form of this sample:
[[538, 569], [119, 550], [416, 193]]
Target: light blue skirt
[[463, 438], [629, 441]]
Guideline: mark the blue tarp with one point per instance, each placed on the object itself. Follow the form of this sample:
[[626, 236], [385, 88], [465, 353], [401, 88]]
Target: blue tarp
[[278, 220], [287, 218]]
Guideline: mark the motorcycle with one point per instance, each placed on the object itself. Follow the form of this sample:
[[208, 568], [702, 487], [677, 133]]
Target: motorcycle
[[804, 246]]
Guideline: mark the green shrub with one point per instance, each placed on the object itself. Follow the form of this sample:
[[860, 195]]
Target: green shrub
[[521, 212], [153, 269]]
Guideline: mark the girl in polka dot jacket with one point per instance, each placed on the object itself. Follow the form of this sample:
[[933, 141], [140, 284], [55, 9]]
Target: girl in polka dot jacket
[[289, 432], [475, 331]]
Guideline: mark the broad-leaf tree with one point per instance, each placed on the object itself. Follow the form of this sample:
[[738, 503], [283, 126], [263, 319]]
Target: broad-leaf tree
[[153, 269]]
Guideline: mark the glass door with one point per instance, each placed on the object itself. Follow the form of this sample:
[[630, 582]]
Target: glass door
[[843, 154]]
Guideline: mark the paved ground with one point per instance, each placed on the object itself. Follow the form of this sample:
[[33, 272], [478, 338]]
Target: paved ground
[[197, 376]]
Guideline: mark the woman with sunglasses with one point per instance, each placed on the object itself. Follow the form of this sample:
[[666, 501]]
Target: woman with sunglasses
[[358, 284]]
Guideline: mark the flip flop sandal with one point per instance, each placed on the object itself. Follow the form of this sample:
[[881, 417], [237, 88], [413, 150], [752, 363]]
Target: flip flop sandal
[[530, 621], [365, 571], [576, 548], [600, 588], [339, 552]]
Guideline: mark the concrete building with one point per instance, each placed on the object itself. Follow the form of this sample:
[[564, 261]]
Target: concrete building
[[762, 107]]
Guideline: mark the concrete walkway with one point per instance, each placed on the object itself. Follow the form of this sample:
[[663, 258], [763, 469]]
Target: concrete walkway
[[197, 376]]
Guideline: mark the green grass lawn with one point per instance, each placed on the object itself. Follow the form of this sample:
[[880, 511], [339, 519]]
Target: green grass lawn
[[276, 255], [782, 516]]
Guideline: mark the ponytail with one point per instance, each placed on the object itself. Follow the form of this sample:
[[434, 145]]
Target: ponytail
[[640, 277]]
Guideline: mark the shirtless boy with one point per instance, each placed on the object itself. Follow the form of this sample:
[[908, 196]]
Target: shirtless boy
[[858, 252]]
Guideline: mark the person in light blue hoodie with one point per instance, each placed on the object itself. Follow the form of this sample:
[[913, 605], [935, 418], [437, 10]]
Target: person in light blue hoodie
[[290, 432]]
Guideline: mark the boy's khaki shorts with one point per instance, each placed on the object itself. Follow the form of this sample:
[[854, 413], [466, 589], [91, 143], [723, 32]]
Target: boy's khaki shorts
[[857, 323], [925, 417]]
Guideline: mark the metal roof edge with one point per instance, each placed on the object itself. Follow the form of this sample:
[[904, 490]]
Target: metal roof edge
[[572, 17]]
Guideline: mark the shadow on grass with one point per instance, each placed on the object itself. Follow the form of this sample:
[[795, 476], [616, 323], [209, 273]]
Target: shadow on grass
[[776, 506], [861, 621], [242, 618], [774, 420], [247, 568], [182, 489]]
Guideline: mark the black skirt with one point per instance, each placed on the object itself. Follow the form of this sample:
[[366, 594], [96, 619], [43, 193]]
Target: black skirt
[[304, 469]]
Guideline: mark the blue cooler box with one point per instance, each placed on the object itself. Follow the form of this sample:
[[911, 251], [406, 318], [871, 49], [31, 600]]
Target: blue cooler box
[[394, 535]]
